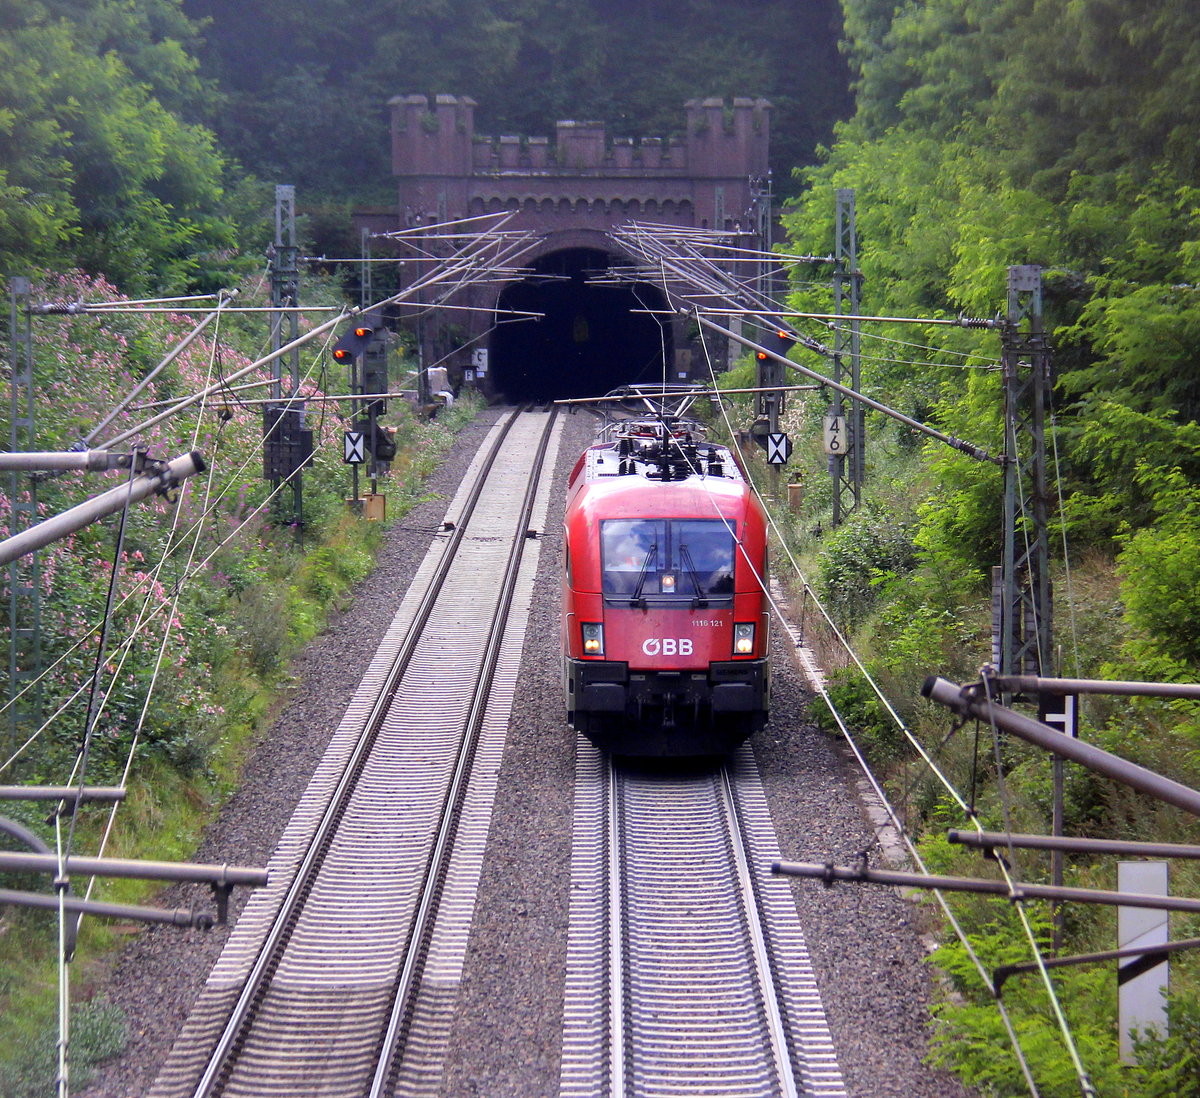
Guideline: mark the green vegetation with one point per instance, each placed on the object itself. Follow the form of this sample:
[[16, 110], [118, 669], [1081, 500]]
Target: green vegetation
[[305, 87], [989, 134], [212, 602], [103, 162], [139, 141]]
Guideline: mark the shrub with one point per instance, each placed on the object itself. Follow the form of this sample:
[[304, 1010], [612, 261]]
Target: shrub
[[869, 550]]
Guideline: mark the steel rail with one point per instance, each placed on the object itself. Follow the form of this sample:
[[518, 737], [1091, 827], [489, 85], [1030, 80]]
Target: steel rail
[[615, 998], [760, 973], [440, 856], [761, 946], [220, 1061]]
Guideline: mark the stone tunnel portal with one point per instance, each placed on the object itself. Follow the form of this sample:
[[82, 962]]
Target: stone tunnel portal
[[590, 339]]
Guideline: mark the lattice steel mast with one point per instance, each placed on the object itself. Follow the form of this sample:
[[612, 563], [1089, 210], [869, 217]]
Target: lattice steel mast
[[1023, 642]]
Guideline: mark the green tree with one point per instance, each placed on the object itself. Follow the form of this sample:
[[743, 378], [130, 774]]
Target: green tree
[[101, 169], [1160, 566], [306, 86]]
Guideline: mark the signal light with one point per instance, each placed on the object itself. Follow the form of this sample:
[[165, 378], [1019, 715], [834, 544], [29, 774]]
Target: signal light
[[782, 341], [383, 445], [352, 344]]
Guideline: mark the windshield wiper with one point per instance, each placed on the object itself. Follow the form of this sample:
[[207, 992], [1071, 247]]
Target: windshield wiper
[[690, 568], [636, 599]]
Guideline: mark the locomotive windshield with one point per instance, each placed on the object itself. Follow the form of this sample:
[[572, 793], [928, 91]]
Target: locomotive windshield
[[686, 560]]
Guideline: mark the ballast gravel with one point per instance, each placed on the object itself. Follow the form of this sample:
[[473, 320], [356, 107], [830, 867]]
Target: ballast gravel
[[863, 939]]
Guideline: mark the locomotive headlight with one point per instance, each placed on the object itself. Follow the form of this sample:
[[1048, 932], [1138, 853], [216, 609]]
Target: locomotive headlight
[[593, 638], [668, 583], [743, 638]]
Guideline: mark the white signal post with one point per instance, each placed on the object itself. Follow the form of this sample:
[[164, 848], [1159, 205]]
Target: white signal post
[[354, 450], [1141, 981]]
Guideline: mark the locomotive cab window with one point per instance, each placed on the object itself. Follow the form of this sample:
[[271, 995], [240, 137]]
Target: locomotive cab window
[[667, 560]]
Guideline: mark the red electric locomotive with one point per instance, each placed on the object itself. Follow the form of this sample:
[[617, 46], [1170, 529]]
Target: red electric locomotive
[[664, 614]]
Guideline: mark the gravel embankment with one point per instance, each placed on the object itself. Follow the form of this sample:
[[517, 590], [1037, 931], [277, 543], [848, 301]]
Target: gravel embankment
[[506, 1040]]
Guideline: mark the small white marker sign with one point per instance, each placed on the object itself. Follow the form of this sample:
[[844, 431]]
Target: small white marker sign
[[779, 448], [354, 452]]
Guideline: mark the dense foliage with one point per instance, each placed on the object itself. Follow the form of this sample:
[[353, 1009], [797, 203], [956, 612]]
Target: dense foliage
[[213, 595], [981, 141], [134, 136], [991, 133], [305, 86], [210, 580], [105, 161]]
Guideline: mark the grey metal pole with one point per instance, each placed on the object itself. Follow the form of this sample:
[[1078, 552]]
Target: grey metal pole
[[190, 872], [88, 461], [1026, 626], [1021, 890], [176, 917], [847, 284], [999, 840], [59, 526], [1005, 971], [1111, 766], [24, 579], [70, 793], [1034, 684]]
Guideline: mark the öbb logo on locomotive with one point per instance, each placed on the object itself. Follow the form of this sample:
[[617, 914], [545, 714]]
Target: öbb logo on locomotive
[[664, 623], [667, 646]]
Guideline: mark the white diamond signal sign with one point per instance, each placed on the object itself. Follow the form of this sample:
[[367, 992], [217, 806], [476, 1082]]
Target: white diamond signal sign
[[779, 448], [354, 448]]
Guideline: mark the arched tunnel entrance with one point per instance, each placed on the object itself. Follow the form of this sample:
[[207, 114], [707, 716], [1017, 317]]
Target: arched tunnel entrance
[[590, 338]]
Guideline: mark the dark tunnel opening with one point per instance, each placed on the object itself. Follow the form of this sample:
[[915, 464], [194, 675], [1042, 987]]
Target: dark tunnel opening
[[590, 339]]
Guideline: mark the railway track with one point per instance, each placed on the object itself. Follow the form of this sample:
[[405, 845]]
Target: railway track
[[340, 978], [687, 972]]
